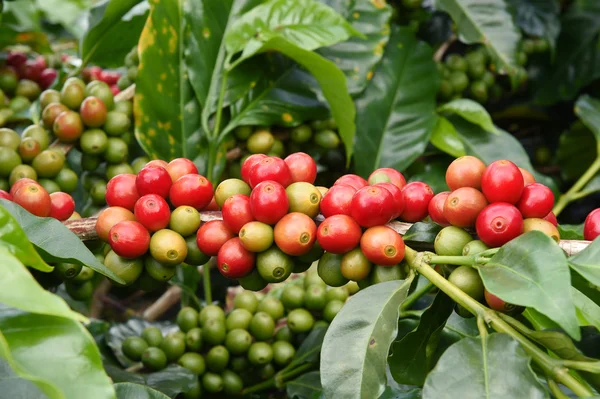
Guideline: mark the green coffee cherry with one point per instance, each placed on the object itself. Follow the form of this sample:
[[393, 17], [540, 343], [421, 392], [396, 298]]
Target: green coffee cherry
[[467, 279], [153, 336], [193, 362], [246, 300], [450, 241], [187, 318], [134, 347], [154, 359], [474, 247]]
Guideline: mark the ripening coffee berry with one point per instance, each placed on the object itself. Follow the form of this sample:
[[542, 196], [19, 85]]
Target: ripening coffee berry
[[269, 202], [339, 234], [236, 212], [396, 194], [110, 217], [387, 175], [153, 212], [372, 206], [153, 180], [591, 227], [436, 208], [353, 181], [416, 201], [235, 261], [62, 206], [212, 235], [502, 181], [295, 233], [466, 171], [337, 200], [498, 223], [270, 169], [129, 239], [303, 167], [193, 190], [536, 201], [382, 246], [180, 167], [122, 191], [463, 205]]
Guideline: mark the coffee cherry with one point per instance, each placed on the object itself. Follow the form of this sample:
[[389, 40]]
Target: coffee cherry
[[465, 171], [185, 220], [450, 241], [34, 198], [337, 200], [499, 305], [153, 180], [128, 269], [256, 236], [463, 205], [110, 217], [542, 225], [168, 247], [474, 247], [129, 239], [180, 167], [339, 234], [353, 181], [122, 191], [304, 198], [62, 206], [269, 202], [502, 181], [396, 195], [527, 177], [551, 217], [355, 265], [467, 279], [248, 164], [93, 112], [193, 190], [212, 235], [237, 212], [591, 226], [230, 187], [382, 246], [233, 260], [295, 234], [436, 208], [5, 195], [302, 166], [300, 321], [387, 175], [29, 149], [273, 265], [157, 162], [68, 126], [416, 201], [536, 201], [498, 223], [270, 169], [372, 206]]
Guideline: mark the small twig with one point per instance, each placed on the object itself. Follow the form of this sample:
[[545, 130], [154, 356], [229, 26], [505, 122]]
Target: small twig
[[439, 54], [64, 147], [135, 368], [170, 297], [117, 305], [234, 154], [97, 305], [126, 94]]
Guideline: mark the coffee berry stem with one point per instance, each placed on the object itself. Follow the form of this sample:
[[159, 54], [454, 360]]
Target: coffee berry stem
[[206, 280], [555, 389], [574, 191], [419, 263], [469, 260], [278, 380], [414, 297]]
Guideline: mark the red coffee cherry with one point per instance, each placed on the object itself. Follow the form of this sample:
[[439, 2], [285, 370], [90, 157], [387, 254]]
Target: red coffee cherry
[[34, 198], [465, 171], [499, 305], [62, 206], [270, 169], [498, 223], [110, 217], [337, 200], [387, 175], [339, 234], [591, 226], [121, 191], [302, 167], [463, 205], [269, 202], [551, 217], [354, 181], [536, 201], [5, 195], [502, 181], [248, 164], [528, 178], [236, 212], [372, 206], [212, 205], [193, 190], [416, 201], [235, 261], [211, 236], [382, 246], [295, 234], [157, 162], [396, 194], [20, 183], [153, 212], [129, 239], [181, 167], [436, 208], [93, 112], [153, 180]]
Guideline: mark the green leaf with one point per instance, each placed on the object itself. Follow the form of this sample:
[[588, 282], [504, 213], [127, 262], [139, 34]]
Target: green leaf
[[358, 57], [63, 12], [113, 29], [12, 377], [588, 289], [133, 327], [13, 238], [422, 232], [446, 138], [396, 113], [364, 329], [491, 147], [577, 150], [587, 262], [490, 23], [588, 312], [592, 186], [306, 24], [167, 113], [411, 357], [471, 111], [310, 349], [18, 289], [532, 271], [331, 81], [127, 390], [432, 171], [56, 349], [577, 57], [55, 242], [570, 231], [538, 18], [170, 381], [306, 386], [588, 110]]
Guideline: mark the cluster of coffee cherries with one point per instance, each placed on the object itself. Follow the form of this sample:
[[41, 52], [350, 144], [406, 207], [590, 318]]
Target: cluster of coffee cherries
[[502, 201], [244, 347], [132, 62], [30, 194], [111, 78], [152, 219]]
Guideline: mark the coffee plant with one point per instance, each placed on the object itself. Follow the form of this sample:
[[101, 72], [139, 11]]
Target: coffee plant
[[299, 199]]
